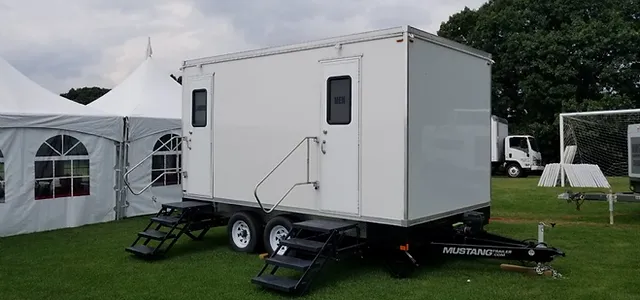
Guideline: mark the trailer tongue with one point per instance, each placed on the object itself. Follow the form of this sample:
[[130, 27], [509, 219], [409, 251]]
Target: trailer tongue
[[470, 239]]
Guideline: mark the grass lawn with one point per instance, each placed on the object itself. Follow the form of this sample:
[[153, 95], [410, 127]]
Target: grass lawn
[[90, 262]]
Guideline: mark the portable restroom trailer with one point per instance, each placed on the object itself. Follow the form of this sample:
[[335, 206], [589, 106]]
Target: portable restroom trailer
[[378, 108], [373, 141]]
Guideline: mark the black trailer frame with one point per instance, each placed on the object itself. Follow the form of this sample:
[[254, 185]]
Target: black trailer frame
[[580, 197]]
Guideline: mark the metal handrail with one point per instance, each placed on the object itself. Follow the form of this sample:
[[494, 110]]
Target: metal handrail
[[126, 175], [315, 183]]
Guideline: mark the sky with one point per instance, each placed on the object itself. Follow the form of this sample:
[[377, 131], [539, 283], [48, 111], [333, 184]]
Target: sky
[[63, 44]]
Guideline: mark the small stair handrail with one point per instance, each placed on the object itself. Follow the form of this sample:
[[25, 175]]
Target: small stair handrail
[[126, 174], [307, 139]]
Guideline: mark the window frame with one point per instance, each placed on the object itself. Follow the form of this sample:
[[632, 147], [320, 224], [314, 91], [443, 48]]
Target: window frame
[[175, 152], [58, 157], [329, 102], [193, 108]]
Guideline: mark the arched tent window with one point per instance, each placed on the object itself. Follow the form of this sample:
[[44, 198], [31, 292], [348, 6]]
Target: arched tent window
[[166, 160], [2, 177], [61, 168]]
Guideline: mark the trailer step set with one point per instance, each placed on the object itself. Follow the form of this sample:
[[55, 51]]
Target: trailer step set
[[307, 247], [180, 218]]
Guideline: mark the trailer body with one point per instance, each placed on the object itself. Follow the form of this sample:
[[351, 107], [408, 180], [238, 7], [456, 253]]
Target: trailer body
[[499, 132], [633, 156], [393, 151], [378, 141]]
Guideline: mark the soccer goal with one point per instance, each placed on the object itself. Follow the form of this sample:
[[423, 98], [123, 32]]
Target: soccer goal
[[597, 138]]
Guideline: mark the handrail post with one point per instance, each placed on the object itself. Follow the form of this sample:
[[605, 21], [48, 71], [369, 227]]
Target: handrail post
[[255, 190]]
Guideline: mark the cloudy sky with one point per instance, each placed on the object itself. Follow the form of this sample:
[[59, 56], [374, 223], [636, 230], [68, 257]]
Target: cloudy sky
[[62, 44]]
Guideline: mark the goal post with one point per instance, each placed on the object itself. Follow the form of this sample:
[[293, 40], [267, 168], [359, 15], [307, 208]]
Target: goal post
[[599, 138]]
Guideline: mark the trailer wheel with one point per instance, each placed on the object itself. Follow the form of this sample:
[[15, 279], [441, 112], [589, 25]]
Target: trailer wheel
[[244, 233], [277, 229], [514, 170]]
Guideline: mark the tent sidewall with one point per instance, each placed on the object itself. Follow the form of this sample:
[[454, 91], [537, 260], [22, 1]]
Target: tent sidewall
[[21, 213]]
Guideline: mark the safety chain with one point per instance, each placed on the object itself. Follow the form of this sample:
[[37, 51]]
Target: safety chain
[[540, 269]]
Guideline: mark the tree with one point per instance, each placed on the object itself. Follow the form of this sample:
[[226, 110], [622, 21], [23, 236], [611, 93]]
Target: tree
[[554, 56], [85, 95]]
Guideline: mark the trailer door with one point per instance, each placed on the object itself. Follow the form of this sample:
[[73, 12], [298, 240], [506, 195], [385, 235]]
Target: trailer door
[[339, 137], [197, 126]]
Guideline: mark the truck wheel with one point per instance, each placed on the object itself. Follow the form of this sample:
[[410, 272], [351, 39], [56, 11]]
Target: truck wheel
[[244, 232], [514, 170], [277, 229]]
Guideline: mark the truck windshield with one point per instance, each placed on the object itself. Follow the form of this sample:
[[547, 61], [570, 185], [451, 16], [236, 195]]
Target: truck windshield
[[534, 144]]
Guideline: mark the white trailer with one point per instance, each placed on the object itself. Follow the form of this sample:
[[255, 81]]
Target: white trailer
[[515, 155], [354, 137]]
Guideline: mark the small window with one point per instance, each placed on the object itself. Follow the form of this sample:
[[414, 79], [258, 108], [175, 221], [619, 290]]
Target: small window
[[2, 180], [339, 100], [199, 108]]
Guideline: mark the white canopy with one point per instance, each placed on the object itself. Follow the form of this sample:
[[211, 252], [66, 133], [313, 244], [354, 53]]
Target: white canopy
[[23, 103], [151, 102], [147, 93], [58, 158]]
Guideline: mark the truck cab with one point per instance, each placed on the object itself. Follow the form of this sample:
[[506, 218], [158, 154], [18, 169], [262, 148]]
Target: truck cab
[[513, 155], [522, 155]]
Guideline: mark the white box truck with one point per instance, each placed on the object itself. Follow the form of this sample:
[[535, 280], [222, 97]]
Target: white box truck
[[513, 155], [341, 145]]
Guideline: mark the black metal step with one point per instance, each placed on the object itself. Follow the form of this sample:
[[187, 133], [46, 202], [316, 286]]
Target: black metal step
[[324, 225], [156, 234], [142, 250], [289, 262], [187, 204], [167, 220], [276, 282], [302, 244]]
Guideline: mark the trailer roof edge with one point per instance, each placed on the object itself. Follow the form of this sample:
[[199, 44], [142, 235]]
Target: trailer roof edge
[[332, 41]]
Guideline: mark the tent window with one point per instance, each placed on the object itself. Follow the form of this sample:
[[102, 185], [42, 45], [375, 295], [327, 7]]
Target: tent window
[[2, 178], [166, 164], [61, 168]]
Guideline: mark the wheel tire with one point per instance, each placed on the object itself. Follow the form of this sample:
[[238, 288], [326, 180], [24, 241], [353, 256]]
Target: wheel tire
[[514, 170], [244, 232], [276, 229]]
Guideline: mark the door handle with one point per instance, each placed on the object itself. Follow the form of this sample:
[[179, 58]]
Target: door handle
[[510, 155], [324, 142]]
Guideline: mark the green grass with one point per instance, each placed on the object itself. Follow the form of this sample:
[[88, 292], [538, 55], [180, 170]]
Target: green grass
[[89, 262]]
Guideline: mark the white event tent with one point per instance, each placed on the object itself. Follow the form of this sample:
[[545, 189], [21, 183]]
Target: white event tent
[[149, 100], [57, 158]]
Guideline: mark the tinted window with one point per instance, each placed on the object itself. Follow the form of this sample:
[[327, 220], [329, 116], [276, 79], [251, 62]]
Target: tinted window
[[339, 100], [199, 108], [519, 143], [635, 155]]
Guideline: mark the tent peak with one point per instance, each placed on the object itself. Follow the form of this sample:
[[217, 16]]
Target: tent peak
[[149, 50]]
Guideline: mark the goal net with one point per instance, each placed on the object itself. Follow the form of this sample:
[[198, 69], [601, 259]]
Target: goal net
[[599, 138]]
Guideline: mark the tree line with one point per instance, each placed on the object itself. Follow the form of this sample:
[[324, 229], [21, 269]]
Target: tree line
[[550, 57]]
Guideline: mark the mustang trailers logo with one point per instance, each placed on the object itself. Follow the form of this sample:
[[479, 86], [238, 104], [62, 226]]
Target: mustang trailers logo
[[476, 251]]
